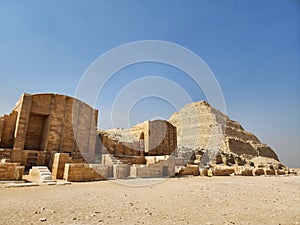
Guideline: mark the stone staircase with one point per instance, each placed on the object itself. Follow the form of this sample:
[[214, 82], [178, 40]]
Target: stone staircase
[[109, 159], [40, 174]]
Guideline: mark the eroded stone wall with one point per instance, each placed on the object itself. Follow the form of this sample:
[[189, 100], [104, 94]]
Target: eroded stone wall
[[160, 138], [149, 138]]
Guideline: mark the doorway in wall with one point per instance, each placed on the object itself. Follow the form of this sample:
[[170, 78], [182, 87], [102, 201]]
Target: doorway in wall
[[37, 130], [165, 171]]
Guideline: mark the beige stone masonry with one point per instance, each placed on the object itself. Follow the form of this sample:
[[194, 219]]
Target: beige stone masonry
[[49, 123], [11, 171], [75, 172]]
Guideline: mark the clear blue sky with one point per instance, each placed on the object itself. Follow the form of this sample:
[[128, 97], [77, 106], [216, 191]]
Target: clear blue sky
[[253, 48]]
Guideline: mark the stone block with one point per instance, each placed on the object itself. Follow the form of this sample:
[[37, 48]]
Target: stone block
[[59, 161], [219, 170], [147, 171], [203, 171], [76, 172], [247, 171], [190, 170], [269, 172], [11, 171], [258, 171], [281, 172], [121, 171]]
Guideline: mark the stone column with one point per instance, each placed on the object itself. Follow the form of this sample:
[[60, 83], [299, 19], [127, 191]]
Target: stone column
[[21, 127]]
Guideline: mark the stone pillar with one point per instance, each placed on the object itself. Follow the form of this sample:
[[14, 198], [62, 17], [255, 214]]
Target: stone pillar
[[147, 136], [21, 127]]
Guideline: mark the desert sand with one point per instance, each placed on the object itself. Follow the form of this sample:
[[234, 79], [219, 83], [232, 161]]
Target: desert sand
[[188, 200]]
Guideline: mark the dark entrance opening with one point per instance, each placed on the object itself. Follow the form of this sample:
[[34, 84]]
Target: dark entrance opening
[[165, 171], [36, 132]]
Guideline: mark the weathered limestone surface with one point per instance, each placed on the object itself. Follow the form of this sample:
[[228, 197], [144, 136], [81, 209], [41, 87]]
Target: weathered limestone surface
[[223, 170], [146, 171], [151, 138], [7, 123], [59, 161], [190, 170], [200, 126], [106, 171], [121, 171], [11, 171], [82, 172], [42, 124]]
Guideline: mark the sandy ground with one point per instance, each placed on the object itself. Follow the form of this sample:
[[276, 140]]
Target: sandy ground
[[189, 200]]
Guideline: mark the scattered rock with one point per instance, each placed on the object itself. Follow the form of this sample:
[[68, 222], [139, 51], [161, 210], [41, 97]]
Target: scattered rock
[[220, 170]]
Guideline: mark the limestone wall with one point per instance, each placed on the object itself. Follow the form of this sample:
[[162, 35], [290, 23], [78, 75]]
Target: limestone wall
[[7, 128], [160, 138], [157, 166], [81, 172], [11, 171], [59, 162], [50, 123]]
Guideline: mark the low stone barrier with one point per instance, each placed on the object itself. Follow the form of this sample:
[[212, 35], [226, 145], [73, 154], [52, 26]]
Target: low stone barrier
[[11, 171], [223, 170], [83, 172]]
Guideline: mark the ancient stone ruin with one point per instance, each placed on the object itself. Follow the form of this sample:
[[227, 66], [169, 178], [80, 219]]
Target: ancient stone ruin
[[200, 126], [59, 133], [150, 138], [42, 124], [209, 138]]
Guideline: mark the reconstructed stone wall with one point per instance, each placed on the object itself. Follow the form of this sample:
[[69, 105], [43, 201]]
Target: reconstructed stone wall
[[59, 161], [46, 123], [81, 172], [157, 166], [11, 171]]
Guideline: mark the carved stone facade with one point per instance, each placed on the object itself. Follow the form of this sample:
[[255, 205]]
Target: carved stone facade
[[43, 124]]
